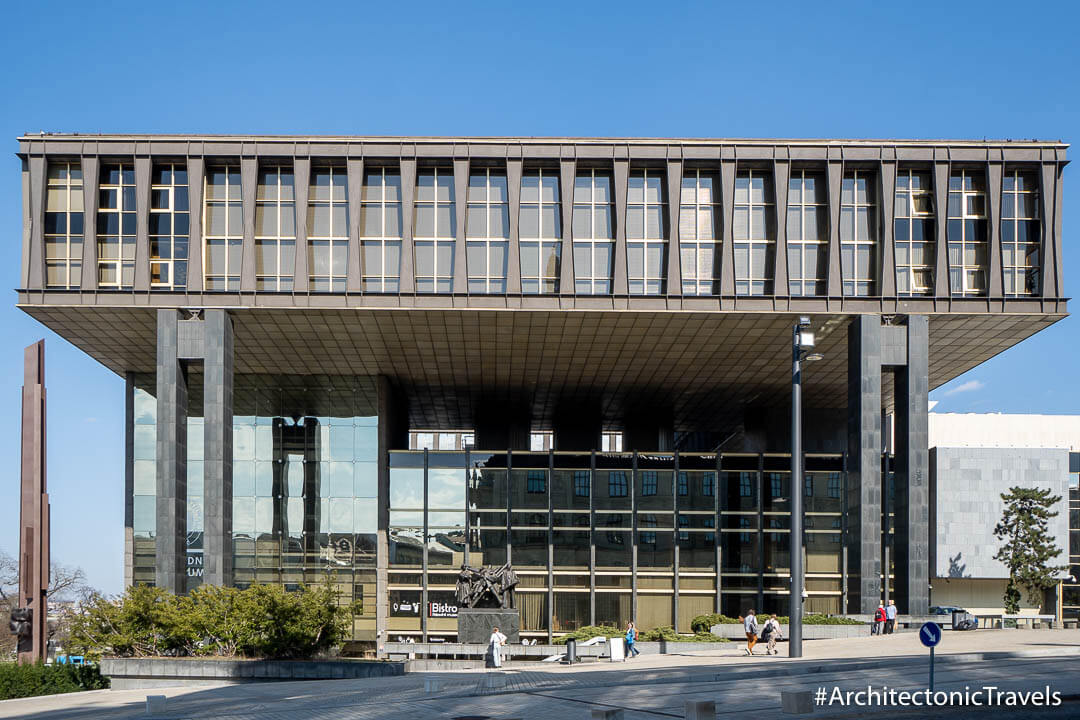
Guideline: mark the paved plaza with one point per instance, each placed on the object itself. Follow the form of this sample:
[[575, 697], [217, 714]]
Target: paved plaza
[[651, 686]]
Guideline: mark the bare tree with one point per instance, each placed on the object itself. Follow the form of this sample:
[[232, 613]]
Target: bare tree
[[66, 584]]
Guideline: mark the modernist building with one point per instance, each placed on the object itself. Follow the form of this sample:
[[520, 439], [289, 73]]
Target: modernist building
[[289, 311]]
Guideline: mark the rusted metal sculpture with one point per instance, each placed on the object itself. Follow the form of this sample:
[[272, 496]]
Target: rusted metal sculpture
[[29, 622], [486, 587]]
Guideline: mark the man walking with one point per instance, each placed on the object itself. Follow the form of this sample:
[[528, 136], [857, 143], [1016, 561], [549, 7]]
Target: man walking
[[750, 626], [890, 618], [771, 633]]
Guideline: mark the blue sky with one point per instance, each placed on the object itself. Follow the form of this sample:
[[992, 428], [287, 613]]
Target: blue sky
[[933, 70]]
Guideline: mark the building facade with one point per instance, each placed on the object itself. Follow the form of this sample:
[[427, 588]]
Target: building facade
[[293, 314]]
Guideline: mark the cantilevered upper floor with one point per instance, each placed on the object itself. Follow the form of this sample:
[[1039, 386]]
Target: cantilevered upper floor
[[904, 226]]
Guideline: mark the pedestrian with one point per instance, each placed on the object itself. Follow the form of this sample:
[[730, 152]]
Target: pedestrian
[[879, 620], [750, 626], [631, 639], [771, 633], [890, 618], [496, 641]]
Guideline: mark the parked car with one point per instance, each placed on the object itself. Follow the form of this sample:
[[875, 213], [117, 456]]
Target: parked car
[[945, 609]]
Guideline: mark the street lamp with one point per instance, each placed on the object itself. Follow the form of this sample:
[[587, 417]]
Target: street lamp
[[802, 343]]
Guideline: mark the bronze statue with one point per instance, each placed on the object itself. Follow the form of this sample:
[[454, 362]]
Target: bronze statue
[[486, 587]]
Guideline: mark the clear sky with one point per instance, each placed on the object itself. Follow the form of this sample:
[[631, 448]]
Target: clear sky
[[788, 70]]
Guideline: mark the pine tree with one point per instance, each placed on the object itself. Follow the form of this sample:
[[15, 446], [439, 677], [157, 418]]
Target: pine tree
[[1028, 546]]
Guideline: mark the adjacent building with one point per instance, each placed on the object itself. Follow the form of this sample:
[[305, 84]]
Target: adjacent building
[[375, 359]]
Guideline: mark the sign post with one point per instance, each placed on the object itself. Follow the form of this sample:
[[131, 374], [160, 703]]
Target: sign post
[[930, 635]]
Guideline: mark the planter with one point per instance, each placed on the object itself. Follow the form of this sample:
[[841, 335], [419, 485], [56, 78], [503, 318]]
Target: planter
[[810, 632], [137, 673]]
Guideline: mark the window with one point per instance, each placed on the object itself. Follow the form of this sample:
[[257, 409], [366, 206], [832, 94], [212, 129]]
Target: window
[[223, 227], [540, 231], [116, 226], [275, 230], [746, 484], [617, 483], [684, 484], [536, 481], [808, 482], [684, 522], [611, 442], [328, 229], [699, 232], [776, 485], [835, 485], [542, 441], [380, 230], [1020, 233], [169, 225], [807, 233], [708, 488], [487, 231], [594, 232], [967, 233], [448, 441], [64, 226], [646, 244], [858, 234], [581, 483], [649, 537], [744, 522], [425, 441], [754, 233], [915, 233], [434, 231], [648, 482]]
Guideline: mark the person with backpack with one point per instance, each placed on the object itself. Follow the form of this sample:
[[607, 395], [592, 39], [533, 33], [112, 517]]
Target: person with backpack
[[770, 634], [750, 627], [879, 620], [631, 638]]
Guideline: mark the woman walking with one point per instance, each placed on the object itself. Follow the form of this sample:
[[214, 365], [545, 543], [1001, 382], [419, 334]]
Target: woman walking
[[631, 638], [771, 633], [496, 641]]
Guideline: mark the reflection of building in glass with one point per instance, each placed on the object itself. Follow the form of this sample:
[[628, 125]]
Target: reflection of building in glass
[[371, 360]]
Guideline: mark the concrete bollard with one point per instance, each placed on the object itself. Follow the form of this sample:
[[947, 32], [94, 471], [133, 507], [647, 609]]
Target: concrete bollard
[[797, 702], [432, 685], [607, 714], [700, 710], [155, 704]]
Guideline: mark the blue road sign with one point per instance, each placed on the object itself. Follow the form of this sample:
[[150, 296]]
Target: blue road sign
[[930, 634]]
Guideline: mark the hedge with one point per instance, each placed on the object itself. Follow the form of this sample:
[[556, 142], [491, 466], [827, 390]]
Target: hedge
[[21, 681], [703, 623]]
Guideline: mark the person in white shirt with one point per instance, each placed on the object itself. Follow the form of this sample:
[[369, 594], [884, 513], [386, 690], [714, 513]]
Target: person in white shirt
[[497, 640], [771, 633], [890, 617]]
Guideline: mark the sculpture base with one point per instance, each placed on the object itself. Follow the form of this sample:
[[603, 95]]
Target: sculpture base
[[475, 624]]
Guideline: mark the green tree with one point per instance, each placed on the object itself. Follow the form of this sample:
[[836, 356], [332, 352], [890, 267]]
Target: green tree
[[1028, 547]]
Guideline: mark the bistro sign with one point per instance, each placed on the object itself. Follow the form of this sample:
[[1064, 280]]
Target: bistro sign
[[442, 610]]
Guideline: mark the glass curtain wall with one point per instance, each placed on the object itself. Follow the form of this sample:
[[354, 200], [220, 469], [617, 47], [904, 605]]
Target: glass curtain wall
[[967, 232], [170, 218], [699, 231], [63, 225], [380, 230], [305, 485], [116, 226], [915, 232], [540, 231], [1021, 232], [606, 538], [754, 232]]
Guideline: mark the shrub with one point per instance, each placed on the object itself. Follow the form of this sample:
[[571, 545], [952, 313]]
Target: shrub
[[668, 633], [258, 621], [702, 623], [20, 681], [590, 631]]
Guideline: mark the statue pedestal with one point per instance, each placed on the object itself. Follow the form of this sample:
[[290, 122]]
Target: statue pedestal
[[475, 624]]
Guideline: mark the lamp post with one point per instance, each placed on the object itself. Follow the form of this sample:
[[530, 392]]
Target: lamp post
[[802, 342]]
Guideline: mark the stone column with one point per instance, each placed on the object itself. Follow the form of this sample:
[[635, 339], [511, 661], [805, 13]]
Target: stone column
[[172, 402], [912, 538], [864, 468], [217, 448]]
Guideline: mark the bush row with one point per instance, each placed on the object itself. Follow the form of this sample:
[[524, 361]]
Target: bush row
[[258, 621], [702, 623], [20, 681]]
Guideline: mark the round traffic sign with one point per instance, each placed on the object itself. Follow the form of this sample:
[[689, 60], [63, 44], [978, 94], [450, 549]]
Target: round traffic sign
[[930, 634]]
